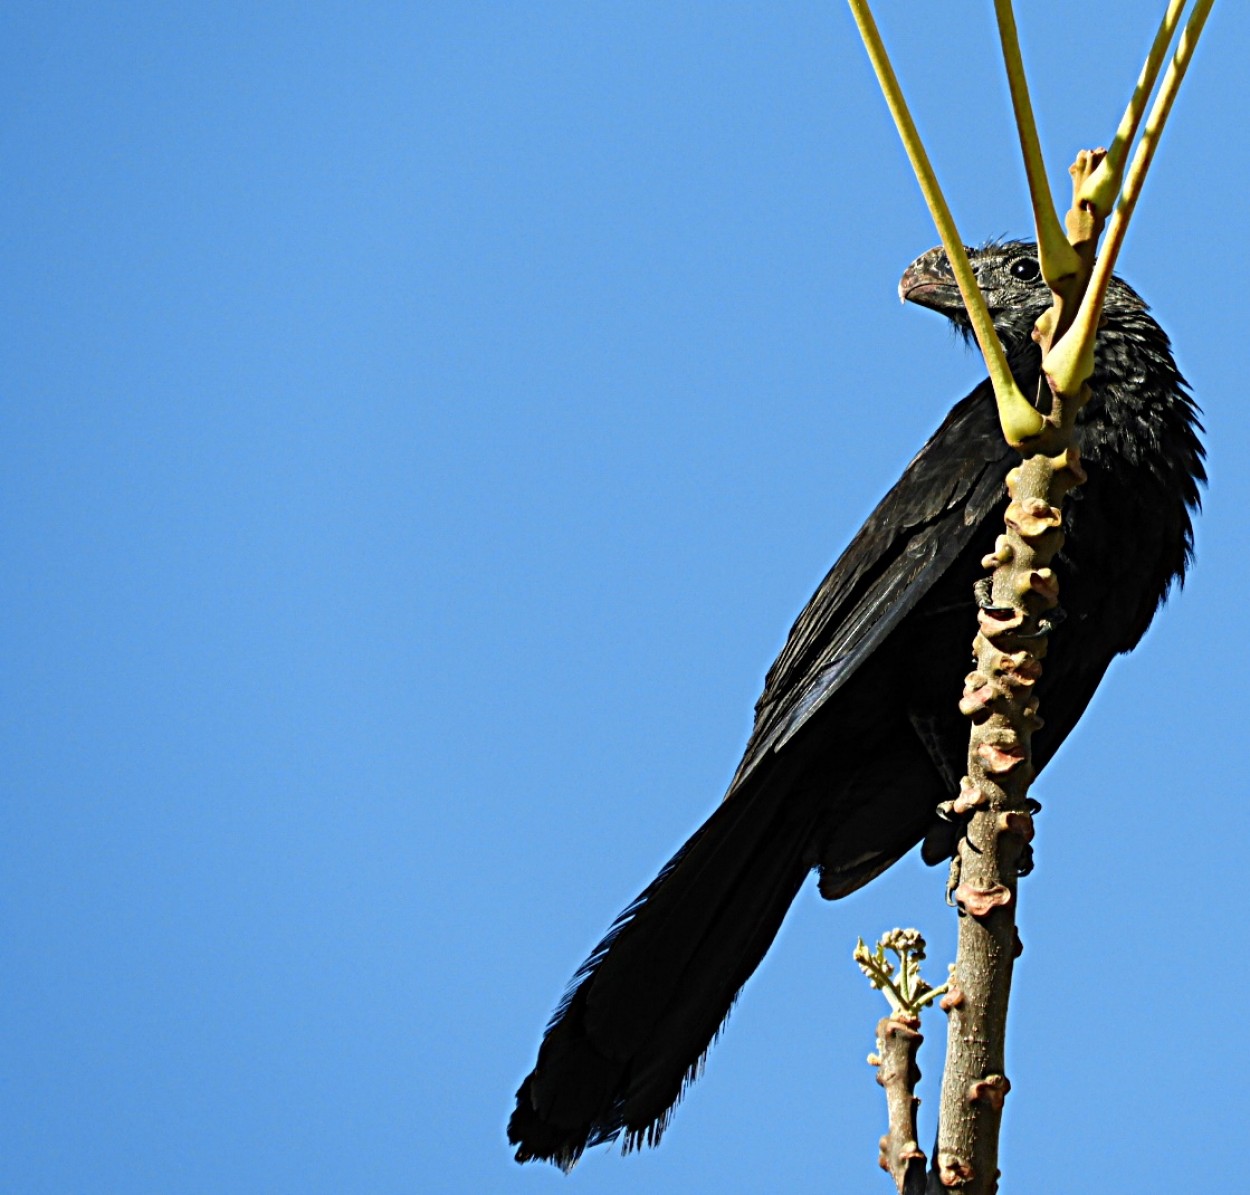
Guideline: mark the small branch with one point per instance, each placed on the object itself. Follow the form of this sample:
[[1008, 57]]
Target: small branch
[[898, 1041]]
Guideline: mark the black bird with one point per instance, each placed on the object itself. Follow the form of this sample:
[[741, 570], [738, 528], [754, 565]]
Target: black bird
[[858, 736]]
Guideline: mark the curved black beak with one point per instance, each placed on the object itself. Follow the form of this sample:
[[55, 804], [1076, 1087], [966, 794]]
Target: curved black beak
[[930, 282]]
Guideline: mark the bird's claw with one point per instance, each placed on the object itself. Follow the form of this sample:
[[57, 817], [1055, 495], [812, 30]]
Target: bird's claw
[[1045, 624], [983, 592], [1024, 865], [952, 881]]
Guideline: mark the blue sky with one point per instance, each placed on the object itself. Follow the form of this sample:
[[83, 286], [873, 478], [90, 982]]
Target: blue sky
[[422, 423]]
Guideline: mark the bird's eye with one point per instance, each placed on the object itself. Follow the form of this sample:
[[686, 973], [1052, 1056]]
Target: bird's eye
[[1025, 268]]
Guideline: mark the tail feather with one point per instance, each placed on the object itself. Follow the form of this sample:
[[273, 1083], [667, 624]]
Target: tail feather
[[642, 1011]]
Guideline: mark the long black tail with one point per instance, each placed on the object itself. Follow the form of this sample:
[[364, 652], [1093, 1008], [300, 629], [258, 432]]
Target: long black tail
[[633, 1029]]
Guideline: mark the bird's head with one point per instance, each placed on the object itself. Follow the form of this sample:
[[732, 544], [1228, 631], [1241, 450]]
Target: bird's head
[[1008, 274]]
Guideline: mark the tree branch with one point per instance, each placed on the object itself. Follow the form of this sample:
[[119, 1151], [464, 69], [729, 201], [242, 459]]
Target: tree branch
[[1012, 638], [898, 1040]]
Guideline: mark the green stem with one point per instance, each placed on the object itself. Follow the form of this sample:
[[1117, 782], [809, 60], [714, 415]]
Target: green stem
[[1071, 361], [1103, 185], [1057, 257], [1019, 419]]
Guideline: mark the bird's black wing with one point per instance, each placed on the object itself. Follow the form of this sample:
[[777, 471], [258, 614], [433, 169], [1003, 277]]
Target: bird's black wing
[[916, 532]]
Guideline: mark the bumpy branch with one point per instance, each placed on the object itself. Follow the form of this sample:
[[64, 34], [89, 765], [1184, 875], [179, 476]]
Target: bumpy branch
[[999, 699], [1011, 643]]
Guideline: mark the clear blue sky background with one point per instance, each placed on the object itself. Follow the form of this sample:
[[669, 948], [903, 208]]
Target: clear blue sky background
[[421, 424]]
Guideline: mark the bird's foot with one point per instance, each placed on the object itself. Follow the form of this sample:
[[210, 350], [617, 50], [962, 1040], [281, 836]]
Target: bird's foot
[[1045, 624], [952, 881], [1024, 865]]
